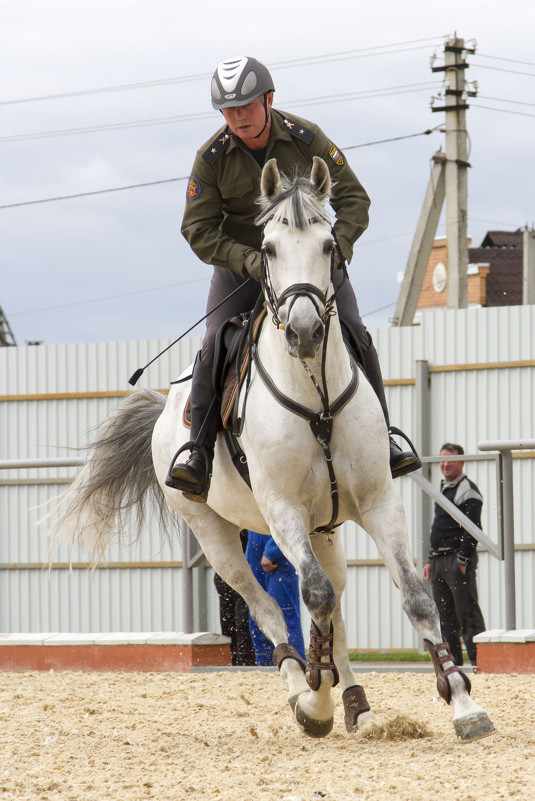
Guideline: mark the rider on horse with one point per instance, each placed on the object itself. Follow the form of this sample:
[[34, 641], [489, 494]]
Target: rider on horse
[[219, 224]]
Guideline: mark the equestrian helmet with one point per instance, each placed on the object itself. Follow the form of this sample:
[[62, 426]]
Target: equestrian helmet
[[239, 81]]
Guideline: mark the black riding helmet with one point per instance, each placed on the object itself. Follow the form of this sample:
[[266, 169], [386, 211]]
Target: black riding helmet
[[239, 81]]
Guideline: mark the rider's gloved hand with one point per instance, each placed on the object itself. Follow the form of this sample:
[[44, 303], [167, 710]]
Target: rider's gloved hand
[[338, 258], [251, 265]]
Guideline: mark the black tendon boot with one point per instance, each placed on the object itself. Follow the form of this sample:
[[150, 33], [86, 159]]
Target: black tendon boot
[[401, 462], [192, 477]]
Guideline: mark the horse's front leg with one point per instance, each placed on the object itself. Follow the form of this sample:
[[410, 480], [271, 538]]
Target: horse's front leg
[[386, 524], [330, 554], [309, 694]]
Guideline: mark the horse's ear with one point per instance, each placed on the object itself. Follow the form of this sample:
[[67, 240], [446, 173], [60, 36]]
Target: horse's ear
[[271, 181], [320, 177]]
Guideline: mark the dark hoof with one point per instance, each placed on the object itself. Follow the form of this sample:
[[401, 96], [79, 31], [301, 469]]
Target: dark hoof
[[311, 727], [473, 727]]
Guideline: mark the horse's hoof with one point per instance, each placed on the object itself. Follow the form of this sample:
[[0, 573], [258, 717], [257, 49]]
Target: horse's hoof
[[473, 727], [311, 727]]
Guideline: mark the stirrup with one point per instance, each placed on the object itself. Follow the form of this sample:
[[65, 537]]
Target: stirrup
[[410, 464], [190, 490]]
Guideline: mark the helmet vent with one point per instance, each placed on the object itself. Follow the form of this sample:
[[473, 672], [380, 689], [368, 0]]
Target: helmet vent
[[249, 84], [216, 94]]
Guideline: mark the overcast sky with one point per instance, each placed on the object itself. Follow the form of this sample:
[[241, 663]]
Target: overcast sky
[[114, 266]]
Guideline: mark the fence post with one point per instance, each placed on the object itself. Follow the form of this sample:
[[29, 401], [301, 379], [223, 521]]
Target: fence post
[[423, 504], [509, 540]]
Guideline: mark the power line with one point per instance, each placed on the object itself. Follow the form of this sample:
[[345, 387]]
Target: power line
[[503, 69], [95, 192], [364, 94], [185, 177], [505, 100], [500, 58], [108, 297], [503, 110], [299, 62]]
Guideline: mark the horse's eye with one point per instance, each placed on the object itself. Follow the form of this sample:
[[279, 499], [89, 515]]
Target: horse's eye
[[328, 246], [269, 250]]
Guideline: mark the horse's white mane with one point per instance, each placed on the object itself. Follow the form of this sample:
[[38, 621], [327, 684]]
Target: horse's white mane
[[297, 205]]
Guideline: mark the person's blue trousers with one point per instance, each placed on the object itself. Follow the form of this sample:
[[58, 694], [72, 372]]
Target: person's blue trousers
[[283, 585]]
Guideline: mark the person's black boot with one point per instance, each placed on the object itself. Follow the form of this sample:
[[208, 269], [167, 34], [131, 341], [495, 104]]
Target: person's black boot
[[192, 477], [401, 461]]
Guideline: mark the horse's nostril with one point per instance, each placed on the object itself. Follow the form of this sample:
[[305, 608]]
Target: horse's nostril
[[317, 334], [292, 337]]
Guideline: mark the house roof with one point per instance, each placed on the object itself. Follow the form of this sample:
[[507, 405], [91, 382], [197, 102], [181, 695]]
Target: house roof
[[503, 251], [503, 239]]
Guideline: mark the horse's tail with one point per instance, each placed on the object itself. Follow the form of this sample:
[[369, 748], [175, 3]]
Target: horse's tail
[[117, 481]]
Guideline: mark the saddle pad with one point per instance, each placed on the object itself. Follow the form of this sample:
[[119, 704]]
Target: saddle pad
[[233, 378]]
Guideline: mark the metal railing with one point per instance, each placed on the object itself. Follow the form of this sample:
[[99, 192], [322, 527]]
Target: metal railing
[[502, 550], [192, 556]]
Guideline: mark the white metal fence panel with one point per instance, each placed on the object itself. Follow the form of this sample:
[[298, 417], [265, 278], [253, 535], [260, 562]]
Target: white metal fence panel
[[482, 386]]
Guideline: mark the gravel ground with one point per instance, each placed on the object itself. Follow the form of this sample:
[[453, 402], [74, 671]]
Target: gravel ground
[[231, 737]]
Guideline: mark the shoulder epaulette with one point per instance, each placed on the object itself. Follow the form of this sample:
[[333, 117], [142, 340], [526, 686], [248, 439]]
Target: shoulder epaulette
[[296, 129], [215, 148]]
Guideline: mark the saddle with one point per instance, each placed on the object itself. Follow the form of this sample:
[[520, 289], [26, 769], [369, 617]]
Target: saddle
[[231, 363]]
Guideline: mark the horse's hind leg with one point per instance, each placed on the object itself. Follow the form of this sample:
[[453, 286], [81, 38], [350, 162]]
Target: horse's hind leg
[[330, 554], [385, 522]]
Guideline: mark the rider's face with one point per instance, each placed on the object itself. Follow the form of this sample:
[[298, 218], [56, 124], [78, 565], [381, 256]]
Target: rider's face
[[247, 122]]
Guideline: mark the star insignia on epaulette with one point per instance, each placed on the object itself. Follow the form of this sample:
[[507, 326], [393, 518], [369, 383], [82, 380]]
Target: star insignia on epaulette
[[216, 147], [299, 131]]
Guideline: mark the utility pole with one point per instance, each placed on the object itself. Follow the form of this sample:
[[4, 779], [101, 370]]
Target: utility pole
[[456, 171], [6, 334], [449, 180]]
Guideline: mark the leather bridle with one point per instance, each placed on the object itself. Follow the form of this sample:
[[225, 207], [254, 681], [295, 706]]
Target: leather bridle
[[321, 423]]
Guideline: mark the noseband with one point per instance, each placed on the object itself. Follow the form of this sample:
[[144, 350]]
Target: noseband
[[294, 291]]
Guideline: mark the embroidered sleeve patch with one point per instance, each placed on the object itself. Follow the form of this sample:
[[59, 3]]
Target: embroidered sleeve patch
[[194, 187], [336, 156]]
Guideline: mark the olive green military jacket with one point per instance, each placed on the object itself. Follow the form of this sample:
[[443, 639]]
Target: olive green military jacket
[[224, 186]]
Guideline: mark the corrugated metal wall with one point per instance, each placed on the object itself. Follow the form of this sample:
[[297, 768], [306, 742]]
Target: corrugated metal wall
[[482, 386]]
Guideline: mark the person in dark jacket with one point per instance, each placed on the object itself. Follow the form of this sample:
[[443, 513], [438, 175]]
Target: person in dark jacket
[[219, 224], [452, 563], [234, 618]]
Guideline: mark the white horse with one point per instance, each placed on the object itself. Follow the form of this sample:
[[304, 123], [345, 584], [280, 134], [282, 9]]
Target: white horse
[[309, 470]]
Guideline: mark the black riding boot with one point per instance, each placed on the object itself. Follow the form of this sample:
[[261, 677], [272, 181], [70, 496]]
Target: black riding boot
[[401, 462], [192, 477]]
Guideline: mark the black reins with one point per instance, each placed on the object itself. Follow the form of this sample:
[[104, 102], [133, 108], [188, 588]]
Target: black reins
[[321, 423]]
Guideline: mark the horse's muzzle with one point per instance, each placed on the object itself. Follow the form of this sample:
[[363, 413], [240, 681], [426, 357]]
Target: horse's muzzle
[[304, 340]]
